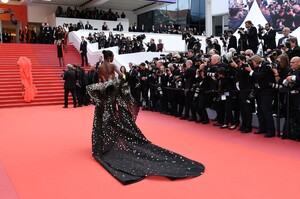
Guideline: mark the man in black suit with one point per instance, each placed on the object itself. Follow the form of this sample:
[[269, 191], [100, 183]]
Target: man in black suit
[[251, 36], [83, 51], [189, 77], [99, 62], [88, 26], [269, 36], [263, 77], [294, 48], [33, 35], [244, 83], [69, 85], [80, 25], [292, 81], [232, 41], [120, 27], [286, 34], [151, 46]]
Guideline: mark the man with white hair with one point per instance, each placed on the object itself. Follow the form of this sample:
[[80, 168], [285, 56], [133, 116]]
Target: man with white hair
[[292, 81], [286, 35]]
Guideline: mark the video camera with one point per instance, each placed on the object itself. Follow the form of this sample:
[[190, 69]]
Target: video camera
[[141, 37]]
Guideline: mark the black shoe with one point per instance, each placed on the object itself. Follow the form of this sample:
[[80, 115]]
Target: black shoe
[[79, 105], [65, 107], [217, 124], [269, 135], [246, 131], [259, 132], [192, 119], [241, 129], [205, 122], [199, 121], [183, 118], [74, 106]]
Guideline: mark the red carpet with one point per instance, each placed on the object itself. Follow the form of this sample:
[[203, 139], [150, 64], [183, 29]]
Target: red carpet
[[46, 152], [46, 73]]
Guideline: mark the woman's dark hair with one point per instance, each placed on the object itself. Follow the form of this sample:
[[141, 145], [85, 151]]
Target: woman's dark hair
[[107, 54], [124, 68]]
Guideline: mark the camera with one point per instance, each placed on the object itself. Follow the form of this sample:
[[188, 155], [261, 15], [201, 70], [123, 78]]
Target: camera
[[240, 30], [210, 74], [260, 28], [141, 37], [275, 64], [178, 83], [276, 86]]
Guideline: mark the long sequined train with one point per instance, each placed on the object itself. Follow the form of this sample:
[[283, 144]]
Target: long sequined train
[[119, 145]]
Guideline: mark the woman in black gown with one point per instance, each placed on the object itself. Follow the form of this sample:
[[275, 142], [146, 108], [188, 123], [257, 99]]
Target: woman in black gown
[[118, 144]]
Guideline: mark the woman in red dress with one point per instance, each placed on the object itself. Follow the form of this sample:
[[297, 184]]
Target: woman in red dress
[[26, 77]]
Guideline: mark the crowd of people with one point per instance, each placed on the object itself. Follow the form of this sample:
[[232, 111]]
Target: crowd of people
[[89, 13], [280, 13], [235, 85]]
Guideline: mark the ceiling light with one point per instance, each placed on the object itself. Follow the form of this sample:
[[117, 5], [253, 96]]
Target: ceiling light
[[4, 1]]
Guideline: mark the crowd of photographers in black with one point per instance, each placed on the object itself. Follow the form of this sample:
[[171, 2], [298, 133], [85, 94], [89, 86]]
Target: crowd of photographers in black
[[235, 85]]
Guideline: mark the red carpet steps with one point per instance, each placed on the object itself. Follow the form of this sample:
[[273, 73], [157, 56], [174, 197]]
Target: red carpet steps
[[45, 70]]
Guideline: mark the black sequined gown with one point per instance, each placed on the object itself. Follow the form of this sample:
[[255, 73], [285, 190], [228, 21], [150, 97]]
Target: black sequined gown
[[119, 145]]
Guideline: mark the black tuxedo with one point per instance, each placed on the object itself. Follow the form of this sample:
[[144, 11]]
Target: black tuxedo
[[232, 43], [88, 27], [83, 49], [104, 27], [33, 37], [282, 41], [269, 39], [264, 76], [151, 47], [252, 39], [80, 26], [119, 27], [189, 76], [69, 86], [294, 52]]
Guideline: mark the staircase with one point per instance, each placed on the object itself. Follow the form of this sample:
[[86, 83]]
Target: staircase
[[45, 71]]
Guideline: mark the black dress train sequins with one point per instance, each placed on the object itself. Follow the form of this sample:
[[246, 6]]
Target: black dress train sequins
[[119, 145]]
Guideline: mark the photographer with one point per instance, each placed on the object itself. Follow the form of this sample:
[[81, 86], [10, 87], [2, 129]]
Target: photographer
[[217, 46], [244, 83], [69, 85], [189, 77], [292, 82], [143, 74], [286, 35], [190, 40], [263, 77], [251, 36], [268, 35], [200, 86], [151, 46], [232, 41], [294, 49]]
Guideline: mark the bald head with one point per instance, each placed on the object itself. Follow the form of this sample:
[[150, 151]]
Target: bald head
[[215, 59], [188, 63], [295, 63]]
